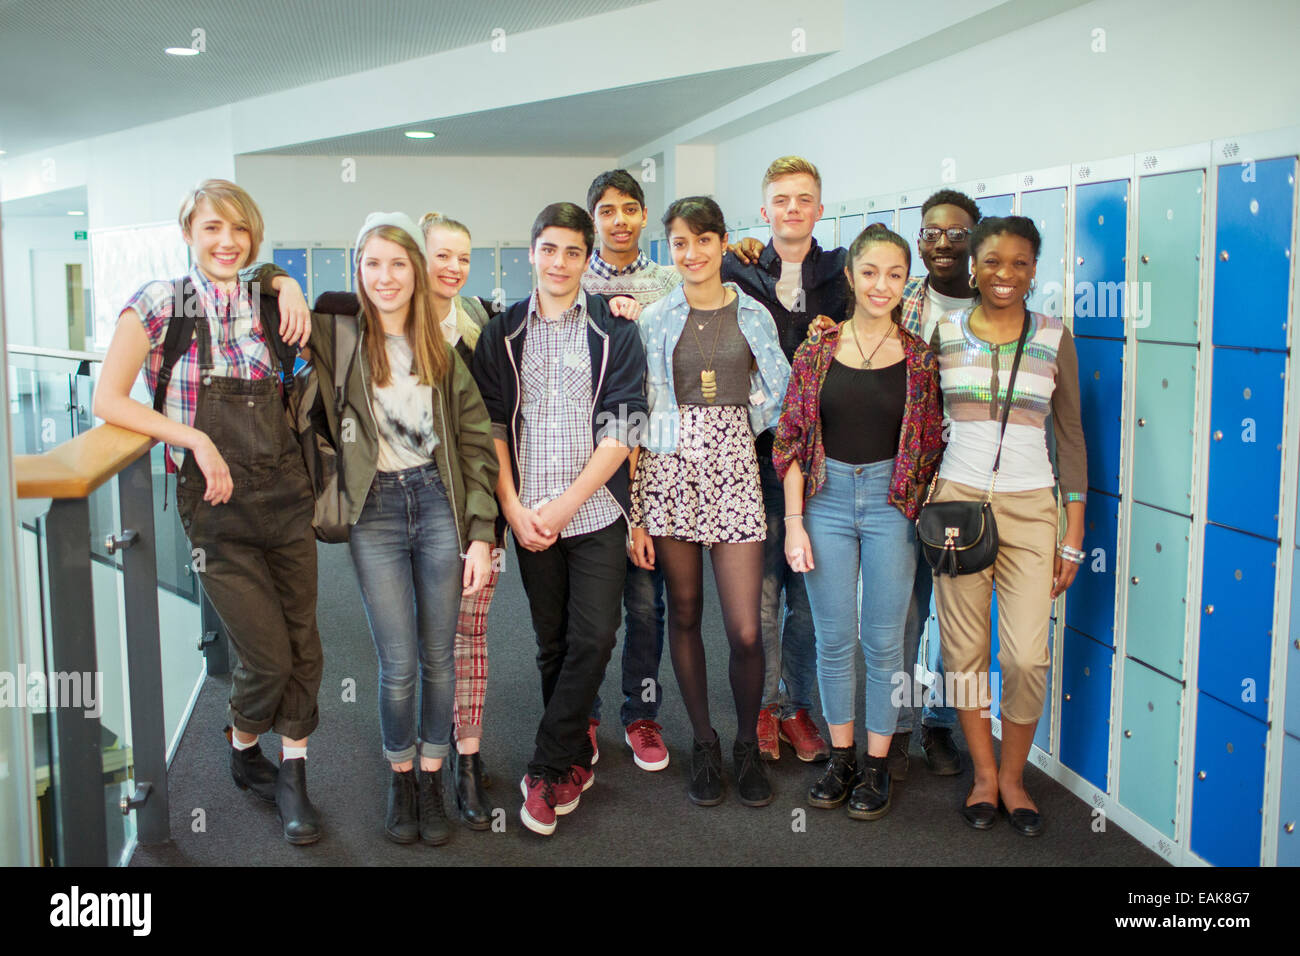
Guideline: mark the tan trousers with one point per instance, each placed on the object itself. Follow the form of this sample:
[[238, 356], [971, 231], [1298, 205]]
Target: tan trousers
[[1023, 572]]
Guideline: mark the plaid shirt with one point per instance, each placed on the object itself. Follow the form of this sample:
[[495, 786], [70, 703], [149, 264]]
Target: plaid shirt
[[238, 347], [914, 294], [643, 280], [555, 402]]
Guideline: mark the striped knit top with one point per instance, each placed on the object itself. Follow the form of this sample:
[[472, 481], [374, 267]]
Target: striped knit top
[[973, 376]]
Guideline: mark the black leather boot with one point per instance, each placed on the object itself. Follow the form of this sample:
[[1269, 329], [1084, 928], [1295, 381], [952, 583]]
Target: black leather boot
[[833, 788], [433, 815], [299, 818], [706, 773], [870, 797], [898, 758], [401, 825], [752, 786], [252, 771], [474, 806]]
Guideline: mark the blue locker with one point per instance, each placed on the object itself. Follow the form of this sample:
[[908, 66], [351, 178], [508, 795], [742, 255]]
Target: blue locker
[[329, 270], [516, 273], [1291, 720], [1046, 207], [482, 279], [1246, 402], [294, 262], [995, 205], [1100, 237], [850, 226], [1086, 672], [824, 233], [885, 216], [1150, 729], [1252, 262], [352, 266], [1237, 586], [1288, 832], [1090, 601], [1101, 392], [1155, 629], [909, 224], [1228, 784]]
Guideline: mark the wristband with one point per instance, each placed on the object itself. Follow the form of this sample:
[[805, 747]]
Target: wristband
[[788, 517]]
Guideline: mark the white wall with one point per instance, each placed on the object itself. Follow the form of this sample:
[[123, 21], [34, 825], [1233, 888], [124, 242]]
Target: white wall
[[1040, 97], [24, 235]]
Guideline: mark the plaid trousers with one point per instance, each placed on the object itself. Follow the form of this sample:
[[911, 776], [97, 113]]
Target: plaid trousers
[[472, 660]]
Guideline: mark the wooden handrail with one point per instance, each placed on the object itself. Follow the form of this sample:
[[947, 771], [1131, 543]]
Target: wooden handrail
[[79, 466]]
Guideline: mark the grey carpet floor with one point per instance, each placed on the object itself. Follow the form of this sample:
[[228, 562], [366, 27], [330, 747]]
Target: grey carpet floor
[[629, 817]]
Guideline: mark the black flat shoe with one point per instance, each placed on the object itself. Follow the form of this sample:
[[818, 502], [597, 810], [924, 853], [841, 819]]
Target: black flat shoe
[[298, 816], [833, 788], [474, 806], [980, 816], [872, 794], [1024, 821]]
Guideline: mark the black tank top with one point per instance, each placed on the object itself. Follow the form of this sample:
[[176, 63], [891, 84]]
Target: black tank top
[[862, 412]]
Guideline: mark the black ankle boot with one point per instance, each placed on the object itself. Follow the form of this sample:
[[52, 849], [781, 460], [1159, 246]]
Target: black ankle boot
[[752, 786], [870, 797], [251, 770], [706, 773], [833, 788], [402, 823], [433, 815], [474, 805], [299, 818]]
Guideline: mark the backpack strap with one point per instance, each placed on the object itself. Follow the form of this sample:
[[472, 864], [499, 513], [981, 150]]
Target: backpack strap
[[180, 335], [282, 354]]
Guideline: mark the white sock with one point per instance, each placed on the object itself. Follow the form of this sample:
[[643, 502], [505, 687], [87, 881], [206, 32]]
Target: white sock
[[239, 744], [294, 753]]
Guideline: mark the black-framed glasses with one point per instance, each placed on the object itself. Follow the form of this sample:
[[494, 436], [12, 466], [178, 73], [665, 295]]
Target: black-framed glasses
[[932, 234]]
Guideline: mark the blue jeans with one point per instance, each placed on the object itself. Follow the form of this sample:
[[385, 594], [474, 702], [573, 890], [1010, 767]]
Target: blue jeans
[[643, 645], [857, 535], [407, 556], [789, 653], [918, 612]]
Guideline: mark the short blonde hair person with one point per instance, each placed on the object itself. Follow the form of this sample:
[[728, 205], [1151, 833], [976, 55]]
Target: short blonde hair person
[[431, 219], [790, 166], [231, 202]]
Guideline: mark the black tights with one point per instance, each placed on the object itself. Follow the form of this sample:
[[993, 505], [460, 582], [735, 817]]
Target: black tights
[[738, 574]]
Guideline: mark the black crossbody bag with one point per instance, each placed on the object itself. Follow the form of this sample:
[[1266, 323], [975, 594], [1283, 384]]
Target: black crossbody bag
[[961, 537]]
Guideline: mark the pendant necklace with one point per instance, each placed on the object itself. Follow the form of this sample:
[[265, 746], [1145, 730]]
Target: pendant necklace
[[854, 329], [708, 376]]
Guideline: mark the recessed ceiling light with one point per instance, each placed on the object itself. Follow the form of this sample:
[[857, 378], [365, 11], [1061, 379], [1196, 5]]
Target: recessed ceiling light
[[420, 134], [76, 212], [2, 152], [181, 51]]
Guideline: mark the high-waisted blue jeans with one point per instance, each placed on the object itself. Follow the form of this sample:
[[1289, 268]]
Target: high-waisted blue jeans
[[406, 552], [857, 536]]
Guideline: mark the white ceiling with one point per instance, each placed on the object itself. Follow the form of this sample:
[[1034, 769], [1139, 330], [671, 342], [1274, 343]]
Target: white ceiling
[[57, 203], [71, 69]]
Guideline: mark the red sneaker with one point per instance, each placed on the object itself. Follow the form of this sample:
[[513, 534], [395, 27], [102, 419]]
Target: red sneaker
[[802, 734], [538, 811], [769, 746], [569, 789], [648, 750], [591, 733]]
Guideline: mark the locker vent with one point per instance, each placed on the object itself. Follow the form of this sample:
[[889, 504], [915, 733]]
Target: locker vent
[[1084, 172], [1029, 180], [979, 187], [1230, 150], [1149, 162]]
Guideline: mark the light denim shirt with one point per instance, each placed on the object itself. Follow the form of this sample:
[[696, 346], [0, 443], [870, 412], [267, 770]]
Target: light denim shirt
[[661, 325]]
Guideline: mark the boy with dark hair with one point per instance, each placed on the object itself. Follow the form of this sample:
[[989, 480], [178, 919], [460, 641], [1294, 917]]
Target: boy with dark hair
[[617, 204], [562, 379]]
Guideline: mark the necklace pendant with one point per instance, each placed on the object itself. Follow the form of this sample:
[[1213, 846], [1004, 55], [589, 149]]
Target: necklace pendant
[[708, 384]]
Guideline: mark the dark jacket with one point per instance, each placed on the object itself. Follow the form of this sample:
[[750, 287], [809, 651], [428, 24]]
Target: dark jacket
[[617, 382]]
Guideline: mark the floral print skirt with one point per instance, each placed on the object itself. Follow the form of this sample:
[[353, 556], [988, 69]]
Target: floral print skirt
[[708, 490]]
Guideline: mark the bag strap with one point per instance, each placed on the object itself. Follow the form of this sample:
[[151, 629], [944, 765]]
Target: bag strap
[[1006, 405], [180, 335], [282, 354]]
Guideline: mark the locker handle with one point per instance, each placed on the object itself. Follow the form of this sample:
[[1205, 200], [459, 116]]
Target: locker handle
[[1067, 696], [1128, 733], [1134, 579], [1142, 422], [1218, 436], [1080, 260], [1201, 775], [1146, 259], [1209, 609], [1224, 255], [1289, 827]]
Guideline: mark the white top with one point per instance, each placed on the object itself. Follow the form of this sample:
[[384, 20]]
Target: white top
[[450, 332], [936, 304], [787, 287], [968, 457], [403, 411]]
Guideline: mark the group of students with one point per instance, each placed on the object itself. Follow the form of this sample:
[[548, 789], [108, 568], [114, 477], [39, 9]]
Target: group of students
[[782, 407]]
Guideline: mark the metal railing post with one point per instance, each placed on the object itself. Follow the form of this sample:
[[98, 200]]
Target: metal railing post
[[213, 641]]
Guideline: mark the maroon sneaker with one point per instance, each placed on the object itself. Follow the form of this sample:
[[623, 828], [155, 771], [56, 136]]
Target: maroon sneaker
[[802, 734], [591, 733], [570, 787], [647, 743], [769, 745], [538, 811]]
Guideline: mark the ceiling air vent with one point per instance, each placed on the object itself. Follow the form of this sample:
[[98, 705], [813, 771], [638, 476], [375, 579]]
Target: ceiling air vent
[[1149, 162], [1029, 180], [1230, 150], [1084, 172], [979, 187]]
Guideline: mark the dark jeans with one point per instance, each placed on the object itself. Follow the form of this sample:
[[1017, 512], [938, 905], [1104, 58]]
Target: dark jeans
[[574, 589], [643, 645], [790, 652]]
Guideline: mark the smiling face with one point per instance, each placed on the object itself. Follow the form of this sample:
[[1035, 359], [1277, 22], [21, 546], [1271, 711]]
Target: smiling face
[[448, 252], [878, 276], [943, 258], [792, 204], [1003, 267], [619, 221], [697, 256], [221, 247], [560, 257], [387, 275]]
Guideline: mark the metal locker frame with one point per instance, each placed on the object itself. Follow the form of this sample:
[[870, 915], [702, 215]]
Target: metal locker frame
[[870, 207]]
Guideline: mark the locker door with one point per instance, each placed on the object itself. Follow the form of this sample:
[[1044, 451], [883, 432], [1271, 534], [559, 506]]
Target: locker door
[[352, 268], [1157, 589], [1288, 834], [1252, 262], [294, 262], [1043, 733], [850, 226], [1150, 729], [824, 233], [1101, 392], [1085, 707], [1246, 403], [1090, 602], [1170, 213], [909, 224], [1100, 235], [994, 205], [1237, 618], [482, 272], [1291, 720], [875, 215], [329, 270], [1164, 436], [516, 273], [1046, 207], [1228, 784]]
